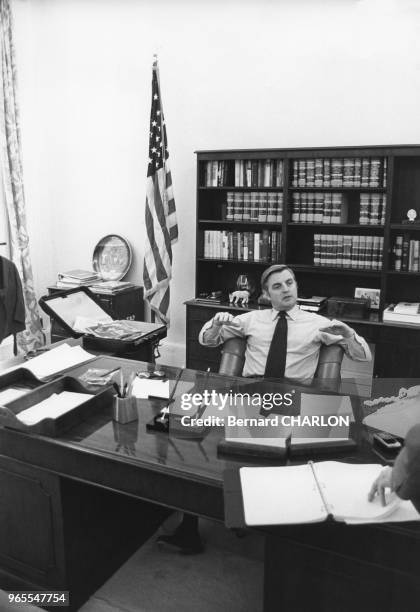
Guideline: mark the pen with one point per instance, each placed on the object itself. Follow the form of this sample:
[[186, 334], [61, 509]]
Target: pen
[[130, 383], [111, 372], [117, 389]]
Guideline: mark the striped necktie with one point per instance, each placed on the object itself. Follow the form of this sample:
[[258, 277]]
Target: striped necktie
[[276, 359]]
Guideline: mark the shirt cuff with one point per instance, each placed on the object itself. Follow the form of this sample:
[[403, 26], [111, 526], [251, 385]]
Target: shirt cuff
[[213, 334]]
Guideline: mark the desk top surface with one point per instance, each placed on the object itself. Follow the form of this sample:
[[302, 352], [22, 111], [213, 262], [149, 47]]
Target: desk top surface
[[193, 458]]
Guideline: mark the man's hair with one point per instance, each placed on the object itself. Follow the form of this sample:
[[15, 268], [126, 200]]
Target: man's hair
[[276, 268]]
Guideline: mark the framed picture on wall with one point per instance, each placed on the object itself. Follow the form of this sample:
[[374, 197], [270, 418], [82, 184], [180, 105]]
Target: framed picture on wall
[[374, 295]]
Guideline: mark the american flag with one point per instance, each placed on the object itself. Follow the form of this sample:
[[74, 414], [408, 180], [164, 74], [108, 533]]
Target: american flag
[[161, 224]]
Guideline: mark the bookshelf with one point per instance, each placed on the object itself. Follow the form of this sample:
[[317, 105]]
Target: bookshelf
[[334, 215]]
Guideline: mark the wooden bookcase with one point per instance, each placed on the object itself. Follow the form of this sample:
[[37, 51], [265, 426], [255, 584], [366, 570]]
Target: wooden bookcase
[[298, 174]]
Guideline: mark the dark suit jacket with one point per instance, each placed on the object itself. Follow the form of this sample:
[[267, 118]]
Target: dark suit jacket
[[406, 470], [12, 305]]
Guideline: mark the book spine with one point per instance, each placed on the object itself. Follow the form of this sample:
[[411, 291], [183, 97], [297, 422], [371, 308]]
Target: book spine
[[301, 173], [268, 174], [364, 182], [364, 209], [311, 207], [398, 246], [310, 173], [295, 172], [317, 249], [257, 241], [327, 173], [271, 207], [405, 253], [279, 210], [318, 172], [357, 172], [262, 207], [238, 204], [230, 206], [279, 173], [254, 206], [246, 215], [295, 207], [303, 207]]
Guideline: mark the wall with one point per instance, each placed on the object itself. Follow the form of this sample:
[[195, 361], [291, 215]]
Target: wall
[[233, 74]]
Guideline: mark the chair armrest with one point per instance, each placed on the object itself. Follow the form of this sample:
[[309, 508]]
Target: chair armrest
[[233, 357], [329, 363]]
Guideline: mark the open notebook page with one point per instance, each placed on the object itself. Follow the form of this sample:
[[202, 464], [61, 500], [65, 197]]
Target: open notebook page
[[281, 495], [346, 488]]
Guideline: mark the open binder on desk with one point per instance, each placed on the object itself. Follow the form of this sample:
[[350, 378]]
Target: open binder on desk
[[310, 493]]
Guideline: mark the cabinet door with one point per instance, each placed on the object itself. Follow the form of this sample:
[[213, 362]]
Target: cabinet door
[[127, 305], [31, 535]]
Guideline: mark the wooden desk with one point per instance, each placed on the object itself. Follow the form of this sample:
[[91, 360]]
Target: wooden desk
[[75, 507]]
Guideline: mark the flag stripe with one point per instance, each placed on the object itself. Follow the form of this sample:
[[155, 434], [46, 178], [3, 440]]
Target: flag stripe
[[160, 213]]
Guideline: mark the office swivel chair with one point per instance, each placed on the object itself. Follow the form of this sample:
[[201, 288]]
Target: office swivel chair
[[328, 368]]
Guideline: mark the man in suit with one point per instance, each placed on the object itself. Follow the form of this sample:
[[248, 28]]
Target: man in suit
[[404, 477], [301, 333]]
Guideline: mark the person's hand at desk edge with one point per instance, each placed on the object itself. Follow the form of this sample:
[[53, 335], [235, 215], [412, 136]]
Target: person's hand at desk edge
[[404, 476]]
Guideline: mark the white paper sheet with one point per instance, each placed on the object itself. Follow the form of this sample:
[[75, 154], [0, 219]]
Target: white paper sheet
[[281, 495], [145, 387], [12, 393], [55, 360], [52, 407]]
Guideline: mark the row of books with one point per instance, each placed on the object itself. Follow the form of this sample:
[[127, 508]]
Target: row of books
[[259, 173], [340, 172], [319, 208], [372, 209], [362, 252], [243, 246], [406, 254], [255, 206], [333, 208], [245, 173]]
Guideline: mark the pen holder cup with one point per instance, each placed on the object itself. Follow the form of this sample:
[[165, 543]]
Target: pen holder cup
[[124, 409]]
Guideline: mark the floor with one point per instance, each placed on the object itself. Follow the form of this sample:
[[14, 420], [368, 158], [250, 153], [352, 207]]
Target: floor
[[228, 576]]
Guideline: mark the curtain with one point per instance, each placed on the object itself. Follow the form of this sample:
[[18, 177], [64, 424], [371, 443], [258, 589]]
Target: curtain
[[10, 159]]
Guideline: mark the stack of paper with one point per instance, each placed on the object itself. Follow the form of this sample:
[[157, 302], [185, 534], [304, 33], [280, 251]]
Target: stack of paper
[[145, 387], [76, 278], [52, 407], [55, 360]]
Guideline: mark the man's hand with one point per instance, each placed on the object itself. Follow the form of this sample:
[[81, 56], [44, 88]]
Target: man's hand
[[239, 297], [225, 318], [338, 328], [380, 484]]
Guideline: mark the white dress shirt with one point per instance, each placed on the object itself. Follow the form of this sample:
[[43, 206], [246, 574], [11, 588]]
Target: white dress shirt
[[303, 340]]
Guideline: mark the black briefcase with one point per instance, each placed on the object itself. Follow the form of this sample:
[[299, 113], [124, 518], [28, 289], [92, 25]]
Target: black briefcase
[[69, 308]]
